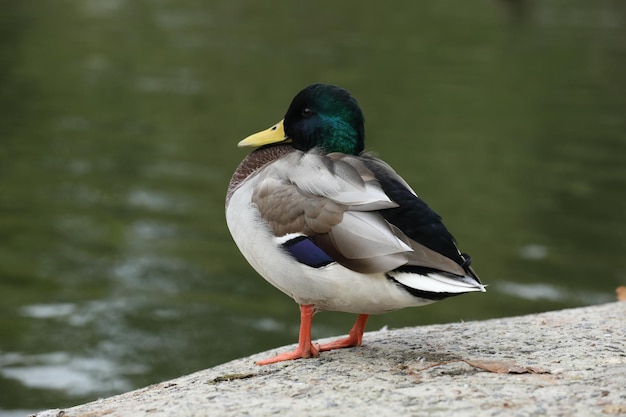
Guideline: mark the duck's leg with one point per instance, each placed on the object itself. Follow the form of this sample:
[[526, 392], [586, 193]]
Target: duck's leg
[[305, 348], [354, 339]]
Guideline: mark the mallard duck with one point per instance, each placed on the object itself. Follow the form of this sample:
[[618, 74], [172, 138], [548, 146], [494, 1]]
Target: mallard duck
[[335, 228]]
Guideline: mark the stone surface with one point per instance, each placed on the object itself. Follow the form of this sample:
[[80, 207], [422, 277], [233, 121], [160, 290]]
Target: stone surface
[[575, 362]]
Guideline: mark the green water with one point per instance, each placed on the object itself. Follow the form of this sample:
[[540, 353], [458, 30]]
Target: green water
[[118, 128]]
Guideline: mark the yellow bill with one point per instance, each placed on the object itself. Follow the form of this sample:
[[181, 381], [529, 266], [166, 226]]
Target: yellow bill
[[274, 134]]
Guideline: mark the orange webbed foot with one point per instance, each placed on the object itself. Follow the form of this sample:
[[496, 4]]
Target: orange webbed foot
[[301, 352], [354, 339], [306, 349]]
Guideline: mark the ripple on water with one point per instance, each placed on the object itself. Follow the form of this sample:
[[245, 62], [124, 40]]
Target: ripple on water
[[65, 372]]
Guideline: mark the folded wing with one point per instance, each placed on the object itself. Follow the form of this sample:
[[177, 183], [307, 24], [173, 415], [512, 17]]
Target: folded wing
[[339, 203]]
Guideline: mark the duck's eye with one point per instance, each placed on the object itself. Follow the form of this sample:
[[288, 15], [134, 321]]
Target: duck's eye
[[307, 112]]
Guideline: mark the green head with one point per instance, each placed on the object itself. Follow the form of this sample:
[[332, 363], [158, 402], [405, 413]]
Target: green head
[[327, 117]]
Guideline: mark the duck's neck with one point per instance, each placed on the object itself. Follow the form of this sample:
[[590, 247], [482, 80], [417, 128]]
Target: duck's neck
[[251, 163]]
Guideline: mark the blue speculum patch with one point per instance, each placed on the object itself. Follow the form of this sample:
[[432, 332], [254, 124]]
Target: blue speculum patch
[[305, 251]]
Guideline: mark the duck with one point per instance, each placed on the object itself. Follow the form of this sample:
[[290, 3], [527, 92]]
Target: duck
[[334, 227]]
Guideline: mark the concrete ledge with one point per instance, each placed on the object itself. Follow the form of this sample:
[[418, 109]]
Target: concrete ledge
[[415, 371]]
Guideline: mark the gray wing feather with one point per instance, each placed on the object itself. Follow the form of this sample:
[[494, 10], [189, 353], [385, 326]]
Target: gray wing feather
[[335, 198]]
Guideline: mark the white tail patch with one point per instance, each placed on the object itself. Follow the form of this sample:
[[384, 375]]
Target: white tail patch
[[437, 283]]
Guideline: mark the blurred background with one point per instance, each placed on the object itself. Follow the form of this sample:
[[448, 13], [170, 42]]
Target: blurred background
[[119, 121]]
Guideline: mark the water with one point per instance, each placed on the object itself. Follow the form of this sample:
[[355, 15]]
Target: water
[[118, 129]]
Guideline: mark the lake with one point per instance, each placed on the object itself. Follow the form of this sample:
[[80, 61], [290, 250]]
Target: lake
[[118, 129]]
